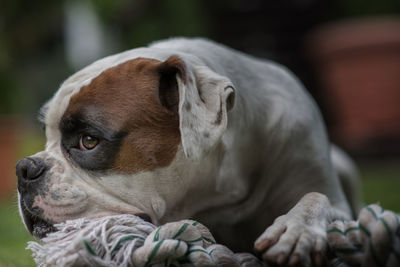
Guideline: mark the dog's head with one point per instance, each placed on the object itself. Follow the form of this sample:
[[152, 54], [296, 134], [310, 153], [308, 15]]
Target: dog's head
[[122, 139]]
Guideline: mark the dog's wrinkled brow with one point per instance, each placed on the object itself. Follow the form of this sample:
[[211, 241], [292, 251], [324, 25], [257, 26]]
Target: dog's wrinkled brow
[[82, 122]]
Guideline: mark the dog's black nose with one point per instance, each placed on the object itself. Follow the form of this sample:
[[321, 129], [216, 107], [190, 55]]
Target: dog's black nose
[[29, 169]]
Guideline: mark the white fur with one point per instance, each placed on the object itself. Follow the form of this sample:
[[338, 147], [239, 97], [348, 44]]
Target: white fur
[[200, 119], [268, 152]]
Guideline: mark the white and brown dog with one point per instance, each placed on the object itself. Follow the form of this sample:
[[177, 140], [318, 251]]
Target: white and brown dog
[[190, 129]]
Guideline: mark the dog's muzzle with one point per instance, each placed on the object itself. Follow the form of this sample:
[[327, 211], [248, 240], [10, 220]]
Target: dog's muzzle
[[31, 173]]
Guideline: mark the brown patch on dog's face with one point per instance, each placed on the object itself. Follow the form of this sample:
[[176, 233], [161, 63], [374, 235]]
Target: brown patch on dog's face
[[131, 109]]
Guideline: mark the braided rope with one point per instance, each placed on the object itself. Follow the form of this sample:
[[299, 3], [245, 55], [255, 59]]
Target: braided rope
[[372, 241], [126, 240]]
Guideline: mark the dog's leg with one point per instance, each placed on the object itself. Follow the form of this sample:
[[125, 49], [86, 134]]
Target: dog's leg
[[349, 178], [299, 237]]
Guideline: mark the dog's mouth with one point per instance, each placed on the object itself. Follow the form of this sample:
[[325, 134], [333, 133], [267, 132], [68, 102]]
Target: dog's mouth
[[38, 227]]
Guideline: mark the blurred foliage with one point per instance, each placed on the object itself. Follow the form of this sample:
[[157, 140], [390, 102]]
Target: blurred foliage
[[32, 37], [32, 57], [13, 237], [364, 8], [30, 31], [32, 45], [381, 183], [31, 142]]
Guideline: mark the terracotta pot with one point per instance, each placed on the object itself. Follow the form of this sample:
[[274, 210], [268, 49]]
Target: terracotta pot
[[358, 63], [9, 140]]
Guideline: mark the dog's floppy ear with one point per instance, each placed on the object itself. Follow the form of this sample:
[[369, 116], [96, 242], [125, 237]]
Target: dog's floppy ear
[[205, 97]]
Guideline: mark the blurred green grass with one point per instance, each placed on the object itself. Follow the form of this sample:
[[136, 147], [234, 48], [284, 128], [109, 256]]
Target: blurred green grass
[[13, 237], [380, 184]]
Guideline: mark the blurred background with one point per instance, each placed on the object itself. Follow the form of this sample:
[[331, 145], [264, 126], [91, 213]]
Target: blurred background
[[346, 52]]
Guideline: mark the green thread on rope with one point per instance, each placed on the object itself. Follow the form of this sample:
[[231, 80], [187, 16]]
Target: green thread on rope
[[123, 239], [181, 230], [365, 230], [199, 239], [335, 230], [344, 233], [194, 240], [197, 250], [372, 212], [374, 256], [177, 245], [89, 247], [157, 234], [211, 252], [154, 252], [208, 240], [351, 229], [398, 224], [387, 228]]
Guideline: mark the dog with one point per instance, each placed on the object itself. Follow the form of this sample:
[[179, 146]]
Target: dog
[[187, 128]]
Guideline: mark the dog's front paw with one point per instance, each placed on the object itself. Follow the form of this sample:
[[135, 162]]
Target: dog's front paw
[[292, 241]]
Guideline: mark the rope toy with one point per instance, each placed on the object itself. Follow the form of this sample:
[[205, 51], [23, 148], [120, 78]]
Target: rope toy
[[127, 240], [372, 240]]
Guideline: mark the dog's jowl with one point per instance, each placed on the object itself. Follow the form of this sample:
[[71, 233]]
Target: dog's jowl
[[187, 128]]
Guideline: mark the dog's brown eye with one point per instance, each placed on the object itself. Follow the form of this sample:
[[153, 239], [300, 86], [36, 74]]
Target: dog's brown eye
[[87, 142]]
